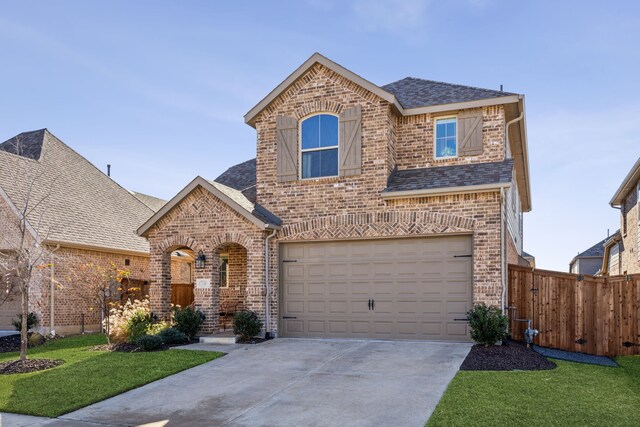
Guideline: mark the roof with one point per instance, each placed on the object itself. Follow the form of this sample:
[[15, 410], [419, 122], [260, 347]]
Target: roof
[[527, 255], [84, 206], [230, 196], [241, 177], [414, 93], [463, 177], [595, 251], [153, 203], [627, 185], [408, 96]]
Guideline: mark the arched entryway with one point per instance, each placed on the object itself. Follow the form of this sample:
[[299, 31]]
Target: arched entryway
[[232, 282]]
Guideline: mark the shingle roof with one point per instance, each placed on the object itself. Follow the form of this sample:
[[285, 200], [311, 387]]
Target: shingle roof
[[413, 93], [250, 206], [596, 250], [26, 144], [451, 176], [84, 207], [153, 203], [241, 177]]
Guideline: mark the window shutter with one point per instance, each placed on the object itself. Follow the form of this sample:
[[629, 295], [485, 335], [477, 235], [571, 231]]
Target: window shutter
[[350, 142], [287, 148], [470, 132]]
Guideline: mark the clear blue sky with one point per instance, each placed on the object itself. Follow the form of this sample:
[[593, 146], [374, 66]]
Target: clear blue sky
[[158, 89]]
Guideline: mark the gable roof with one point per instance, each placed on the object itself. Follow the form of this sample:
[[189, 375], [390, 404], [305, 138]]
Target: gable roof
[[627, 185], [153, 203], [417, 94], [233, 198], [241, 177], [595, 251], [81, 205], [414, 93], [441, 179]]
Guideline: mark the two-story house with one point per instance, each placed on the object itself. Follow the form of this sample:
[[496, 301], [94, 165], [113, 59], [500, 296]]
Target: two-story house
[[369, 211], [622, 255]]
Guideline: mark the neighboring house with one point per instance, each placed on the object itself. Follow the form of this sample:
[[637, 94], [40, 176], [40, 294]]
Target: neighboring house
[[588, 261], [85, 218], [627, 247], [370, 211]]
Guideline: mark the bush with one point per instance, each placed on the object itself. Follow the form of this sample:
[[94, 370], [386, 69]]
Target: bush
[[246, 324], [149, 342], [32, 321], [188, 320], [172, 336], [157, 328], [127, 320], [36, 339], [488, 324]]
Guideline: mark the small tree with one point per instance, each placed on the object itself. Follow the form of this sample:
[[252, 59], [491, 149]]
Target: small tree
[[22, 249], [100, 286]]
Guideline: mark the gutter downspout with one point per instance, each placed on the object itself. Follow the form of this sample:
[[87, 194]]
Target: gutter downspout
[[506, 129], [267, 314], [503, 259], [52, 289]]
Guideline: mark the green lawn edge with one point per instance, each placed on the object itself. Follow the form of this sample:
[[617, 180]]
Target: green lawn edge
[[573, 394], [87, 376]]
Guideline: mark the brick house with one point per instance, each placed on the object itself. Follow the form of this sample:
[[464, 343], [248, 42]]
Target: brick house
[[83, 217], [622, 250], [369, 211]]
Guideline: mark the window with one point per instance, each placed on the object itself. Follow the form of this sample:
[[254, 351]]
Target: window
[[224, 271], [319, 148], [446, 144]]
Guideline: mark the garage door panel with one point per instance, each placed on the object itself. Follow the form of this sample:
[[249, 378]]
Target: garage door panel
[[419, 288]]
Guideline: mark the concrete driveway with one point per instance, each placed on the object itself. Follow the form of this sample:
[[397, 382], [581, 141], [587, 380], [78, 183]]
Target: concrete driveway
[[294, 382]]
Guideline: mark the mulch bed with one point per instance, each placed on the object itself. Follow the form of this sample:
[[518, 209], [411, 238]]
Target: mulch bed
[[515, 356], [9, 343], [29, 365]]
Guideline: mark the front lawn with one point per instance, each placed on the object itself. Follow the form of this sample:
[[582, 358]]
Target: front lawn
[[87, 376], [573, 394]]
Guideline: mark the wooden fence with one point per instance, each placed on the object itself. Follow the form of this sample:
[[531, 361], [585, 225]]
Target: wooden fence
[[594, 315], [181, 293]]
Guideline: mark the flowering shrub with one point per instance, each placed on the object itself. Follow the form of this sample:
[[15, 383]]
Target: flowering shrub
[[128, 321]]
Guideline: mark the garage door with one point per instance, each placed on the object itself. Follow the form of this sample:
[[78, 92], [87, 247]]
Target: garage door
[[414, 288], [8, 311]]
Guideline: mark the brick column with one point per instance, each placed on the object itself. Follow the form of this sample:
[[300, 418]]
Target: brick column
[[207, 300], [160, 287], [256, 290]]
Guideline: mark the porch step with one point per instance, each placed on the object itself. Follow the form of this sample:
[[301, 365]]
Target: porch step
[[219, 339]]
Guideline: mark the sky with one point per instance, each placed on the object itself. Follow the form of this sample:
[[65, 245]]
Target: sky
[[158, 89]]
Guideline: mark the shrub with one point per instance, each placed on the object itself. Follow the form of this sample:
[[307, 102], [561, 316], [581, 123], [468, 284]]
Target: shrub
[[172, 336], [246, 324], [188, 320], [149, 342], [488, 325], [131, 318], [36, 339], [32, 321], [157, 328]]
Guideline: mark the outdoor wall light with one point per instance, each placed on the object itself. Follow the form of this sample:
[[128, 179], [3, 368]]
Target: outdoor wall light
[[200, 260]]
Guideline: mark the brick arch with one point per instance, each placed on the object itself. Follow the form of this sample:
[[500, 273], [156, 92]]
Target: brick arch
[[233, 237], [377, 224], [317, 106], [178, 241]]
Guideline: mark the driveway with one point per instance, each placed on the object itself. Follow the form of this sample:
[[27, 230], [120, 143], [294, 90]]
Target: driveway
[[294, 382]]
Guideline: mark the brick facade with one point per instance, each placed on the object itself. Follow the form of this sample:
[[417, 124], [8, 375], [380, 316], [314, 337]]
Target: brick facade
[[630, 255], [338, 207], [201, 222]]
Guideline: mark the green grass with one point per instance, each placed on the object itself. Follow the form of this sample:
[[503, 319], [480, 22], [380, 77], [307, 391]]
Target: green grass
[[87, 376], [573, 394]]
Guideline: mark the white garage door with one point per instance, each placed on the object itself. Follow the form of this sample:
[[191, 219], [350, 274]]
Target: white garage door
[[413, 288]]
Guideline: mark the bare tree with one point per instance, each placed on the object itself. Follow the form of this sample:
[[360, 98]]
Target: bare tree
[[22, 252]]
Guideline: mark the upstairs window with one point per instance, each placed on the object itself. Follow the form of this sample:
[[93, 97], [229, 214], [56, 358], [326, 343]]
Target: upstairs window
[[319, 146], [446, 138]]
